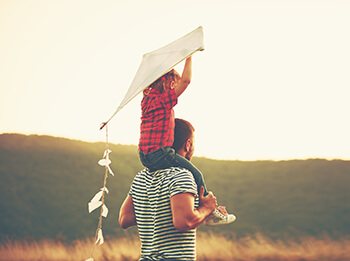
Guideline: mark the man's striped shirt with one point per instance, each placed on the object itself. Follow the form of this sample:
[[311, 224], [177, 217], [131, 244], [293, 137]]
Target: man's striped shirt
[[151, 193]]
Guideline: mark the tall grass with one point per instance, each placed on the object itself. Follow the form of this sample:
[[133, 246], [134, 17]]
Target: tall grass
[[258, 247], [209, 247]]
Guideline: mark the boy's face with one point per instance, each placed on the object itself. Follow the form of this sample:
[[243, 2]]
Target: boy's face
[[167, 86]]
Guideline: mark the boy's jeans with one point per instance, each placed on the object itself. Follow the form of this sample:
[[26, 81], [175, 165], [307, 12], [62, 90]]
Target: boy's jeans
[[166, 157]]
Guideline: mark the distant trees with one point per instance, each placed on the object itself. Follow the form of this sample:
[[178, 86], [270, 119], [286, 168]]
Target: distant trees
[[46, 183]]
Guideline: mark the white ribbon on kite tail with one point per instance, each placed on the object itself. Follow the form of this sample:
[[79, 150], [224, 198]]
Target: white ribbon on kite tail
[[157, 63]]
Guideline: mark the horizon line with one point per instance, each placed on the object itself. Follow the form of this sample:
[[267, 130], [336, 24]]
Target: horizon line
[[195, 156]]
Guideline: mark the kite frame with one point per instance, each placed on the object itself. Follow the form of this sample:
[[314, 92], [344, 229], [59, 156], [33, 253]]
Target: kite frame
[[201, 48]]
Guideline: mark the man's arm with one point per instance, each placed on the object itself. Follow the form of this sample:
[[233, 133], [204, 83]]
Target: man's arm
[[127, 216], [185, 216], [185, 78]]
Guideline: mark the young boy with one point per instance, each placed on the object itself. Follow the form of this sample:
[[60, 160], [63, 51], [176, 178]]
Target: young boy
[[157, 132]]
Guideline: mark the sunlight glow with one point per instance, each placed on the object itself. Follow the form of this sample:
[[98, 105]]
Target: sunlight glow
[[272, 82]]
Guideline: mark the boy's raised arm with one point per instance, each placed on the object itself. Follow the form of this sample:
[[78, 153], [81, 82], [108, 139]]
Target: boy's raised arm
[[185, 78]]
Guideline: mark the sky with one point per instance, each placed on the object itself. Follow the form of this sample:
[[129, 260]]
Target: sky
[[272, 84]]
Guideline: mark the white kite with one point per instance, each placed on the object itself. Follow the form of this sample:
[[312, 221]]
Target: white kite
[[159, 62]]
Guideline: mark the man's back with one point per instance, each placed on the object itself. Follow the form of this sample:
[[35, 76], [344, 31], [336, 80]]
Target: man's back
[[151, 193]]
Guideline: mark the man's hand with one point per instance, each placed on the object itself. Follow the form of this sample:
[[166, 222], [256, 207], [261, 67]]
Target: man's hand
[[208, 202]]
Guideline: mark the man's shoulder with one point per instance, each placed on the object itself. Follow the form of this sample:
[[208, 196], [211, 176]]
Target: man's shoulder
[[176, 179], [174, 175], [172, 171]]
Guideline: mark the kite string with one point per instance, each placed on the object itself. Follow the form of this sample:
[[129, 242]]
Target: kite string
[[102, 200]]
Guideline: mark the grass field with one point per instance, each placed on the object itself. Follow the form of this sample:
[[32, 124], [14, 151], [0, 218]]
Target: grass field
[[209, 247]]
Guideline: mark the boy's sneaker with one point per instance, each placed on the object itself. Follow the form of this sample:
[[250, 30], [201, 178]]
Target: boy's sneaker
[[219, 217]]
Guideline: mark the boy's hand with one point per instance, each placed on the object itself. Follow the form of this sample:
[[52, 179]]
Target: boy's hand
[[188, 59]]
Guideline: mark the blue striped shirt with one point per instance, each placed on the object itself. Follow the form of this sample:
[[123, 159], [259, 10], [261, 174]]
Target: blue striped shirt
[[151, 193]]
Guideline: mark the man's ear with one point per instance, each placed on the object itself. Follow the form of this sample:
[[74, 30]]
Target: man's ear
[[188, 145]]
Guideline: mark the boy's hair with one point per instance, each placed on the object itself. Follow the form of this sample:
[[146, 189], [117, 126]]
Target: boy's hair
[[183, 131], [172, 75]]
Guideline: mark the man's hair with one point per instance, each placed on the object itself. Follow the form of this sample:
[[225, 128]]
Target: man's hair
[[183, 131]]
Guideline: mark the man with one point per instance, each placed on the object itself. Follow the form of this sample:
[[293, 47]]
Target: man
[[165, 206]]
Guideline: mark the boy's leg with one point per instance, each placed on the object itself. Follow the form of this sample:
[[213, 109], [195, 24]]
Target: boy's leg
[[166, 157], [198, 176], [162, 158]]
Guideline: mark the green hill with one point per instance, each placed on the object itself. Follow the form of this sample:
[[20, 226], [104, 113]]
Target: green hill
[[46, 183]]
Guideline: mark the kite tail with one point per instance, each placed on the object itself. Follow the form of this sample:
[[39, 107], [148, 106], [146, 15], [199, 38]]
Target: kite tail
[[100, 197]]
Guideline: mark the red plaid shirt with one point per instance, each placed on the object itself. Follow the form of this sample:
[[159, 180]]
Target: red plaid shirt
[[157, 120]]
